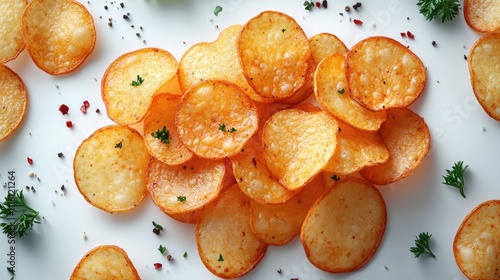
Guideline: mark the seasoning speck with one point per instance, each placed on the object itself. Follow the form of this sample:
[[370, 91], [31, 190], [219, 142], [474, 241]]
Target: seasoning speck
[[126, 17], [105, 7], [434, 44], [347, 8], [84, 235], [60, 154], [465, 57], [122, 5], [169, 258]]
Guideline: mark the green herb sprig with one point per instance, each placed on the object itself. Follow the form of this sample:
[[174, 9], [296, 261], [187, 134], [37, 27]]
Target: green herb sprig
[[422, 245], [223, 127], [138, 82], [308, 5], [162, 134], [162, 249], [455, 177], [444, 9], [15, 207], [217, 10]]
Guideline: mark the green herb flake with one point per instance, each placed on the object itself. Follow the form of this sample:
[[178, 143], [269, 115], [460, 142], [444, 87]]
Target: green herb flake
[[342, 91], [162, 134], [24, 217], [157, 226], [308, 5], [422, 245], [185, 255], [221, 259], [217, 10], [335, 177], [162, 249], [455, 177], [181, 198], [138, 82], [444, 9], [223, 127], [119, 145], [283, 30]]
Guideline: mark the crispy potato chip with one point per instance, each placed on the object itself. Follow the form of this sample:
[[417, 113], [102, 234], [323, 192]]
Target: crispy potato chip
[[345, 226], [307, 88], [215, 119], [105, 262], [330, 87], [298, 144], [477, 242], [186, 187], [226, 244], [253, 177], [13, 101], [280, 223], [110, 168], [484, 70], [275, 54], [160, 133], [216, 60], [407, 137], [129, 83], [482, 15], [59, 34], [326, 44], [12, 42], [382, 73], [356, 149]]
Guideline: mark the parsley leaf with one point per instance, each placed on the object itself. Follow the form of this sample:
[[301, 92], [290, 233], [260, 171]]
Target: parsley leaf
[[221, 259], [444, 9], [308, 5], [217, 10], [139, 81], [342, 91], [455, 177], [24, 217], [119, 145], [162, 134], [224, 128], [162, 249], [422, 245], [181, 198]]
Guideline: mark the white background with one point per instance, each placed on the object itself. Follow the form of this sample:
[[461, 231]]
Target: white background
[[460, 130]]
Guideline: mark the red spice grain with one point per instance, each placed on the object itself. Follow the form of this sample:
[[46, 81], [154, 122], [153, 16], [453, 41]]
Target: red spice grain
[[69, 124], [357, 22], [64, 109], [157, 265], [30, 160]]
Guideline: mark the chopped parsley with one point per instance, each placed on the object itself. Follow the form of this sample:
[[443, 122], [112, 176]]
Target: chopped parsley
[[342, 91], [119, 145], [185, 255], [308, 5], [223, 127], [335, 177], [157, 228], [162, 134], [162, 249], [283, 30], [422, 245], [22, 217], [455, 177], [221, 259], [181, 198], [138, 82], [217, 10], [444, 9]]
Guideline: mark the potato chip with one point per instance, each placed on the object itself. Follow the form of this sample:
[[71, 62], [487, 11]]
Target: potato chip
[[186, 187], [59, 34], [382, 73], [330, 89], [477, 242], [298, 144], [110, 168], [12, 42], [160, 132], [216, 60], [326, 44], [105, 262], [215, 119], [482, 15], [226, 244], [356, 149], [307, 88], [253, 177], [275, 54], [407, 137], [345, 226], [484, 70], [278, 224], [13, 101], [131, 80]]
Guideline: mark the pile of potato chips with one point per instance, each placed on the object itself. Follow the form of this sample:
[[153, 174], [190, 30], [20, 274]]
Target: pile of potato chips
[[252, 145], [58, 34]]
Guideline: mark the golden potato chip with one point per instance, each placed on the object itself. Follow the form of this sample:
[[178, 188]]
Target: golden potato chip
[[477, 242], [345, 226], [356, 149], [484, 70], [215, 119], [226, 244], [406, 135], [280, 223], [59, 34], [131, 80], [482, 15], [253, 177], [330, 89], [298, 144], [326, 44], [275, 54], [110, 168], [13, 101], [160, 132], [105, 262], [186, 187], [382, 73], [307, 88], [216, 60], [12, 42]]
